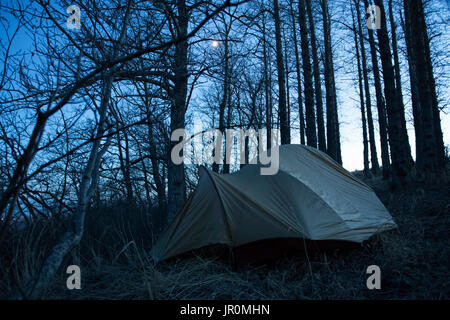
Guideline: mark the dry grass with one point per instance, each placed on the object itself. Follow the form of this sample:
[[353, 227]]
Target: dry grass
[[414, 261]]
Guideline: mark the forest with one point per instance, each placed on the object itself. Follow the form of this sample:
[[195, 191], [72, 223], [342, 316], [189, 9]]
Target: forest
[[92, 92]]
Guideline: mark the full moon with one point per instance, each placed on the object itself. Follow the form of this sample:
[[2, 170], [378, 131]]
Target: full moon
[[215, 43]]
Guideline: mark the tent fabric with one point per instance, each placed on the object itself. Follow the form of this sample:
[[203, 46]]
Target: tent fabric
[[311, 197]]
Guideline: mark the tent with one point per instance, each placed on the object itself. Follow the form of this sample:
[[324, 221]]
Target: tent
[[311, 197]]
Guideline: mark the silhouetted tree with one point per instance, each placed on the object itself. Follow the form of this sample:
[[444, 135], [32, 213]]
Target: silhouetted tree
[[282, 108], [311, 134], [429, 141], [365, 73], [298, 73], [361, 98], [398, 136], [381, 106], [317, 81], [333, 135]]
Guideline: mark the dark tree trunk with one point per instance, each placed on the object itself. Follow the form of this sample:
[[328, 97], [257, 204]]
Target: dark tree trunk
[[176, 183], [398, 136], [414, 100], [226, 166], [373, 148], [89, 180], [361, 101], [307, 76], [333, 136], [288, 96], [74, 233], [430, 153], [267, 84], [282, 112], [299, 80], [398, 79], [125, 165], [226, 89], [159, 181], [381, 106], [317, 81]]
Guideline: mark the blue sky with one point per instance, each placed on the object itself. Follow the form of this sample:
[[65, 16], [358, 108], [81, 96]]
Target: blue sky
[[350, 116]]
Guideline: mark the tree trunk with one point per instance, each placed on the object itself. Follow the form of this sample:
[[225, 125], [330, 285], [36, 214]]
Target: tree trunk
[[361, 101], [373, 148], [317, 81], [299, 80], [398, 79], [284, 125], [430, 147], [288, 96], [159, 181], [267, 84], [176, 183], [333, 136], [226, 166], [73, 235], [307, 76], [9, 196], [226, 88], [125, 165], [398, 136], [381, 106]]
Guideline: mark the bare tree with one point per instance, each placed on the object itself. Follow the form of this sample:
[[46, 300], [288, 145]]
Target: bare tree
[[317, 82], [365, 72], [333, 135], [398, 136], [361, 98], [282, 107], [381, 106], [311, 132], [298, 73], [429, 141]]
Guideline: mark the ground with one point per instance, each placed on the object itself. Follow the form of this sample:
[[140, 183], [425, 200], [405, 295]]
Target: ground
[[414, 261]]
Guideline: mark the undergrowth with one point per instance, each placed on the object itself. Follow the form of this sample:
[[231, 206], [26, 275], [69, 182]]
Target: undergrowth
[[115, 261]]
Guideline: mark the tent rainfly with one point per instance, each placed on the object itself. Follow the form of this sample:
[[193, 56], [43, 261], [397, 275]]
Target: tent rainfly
[[311, 197]]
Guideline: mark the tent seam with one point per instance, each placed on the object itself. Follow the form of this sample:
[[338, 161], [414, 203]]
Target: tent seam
[[230, 234]]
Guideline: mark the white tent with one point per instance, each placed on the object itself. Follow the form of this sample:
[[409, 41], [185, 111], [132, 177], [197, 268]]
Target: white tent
[[311, 197]]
